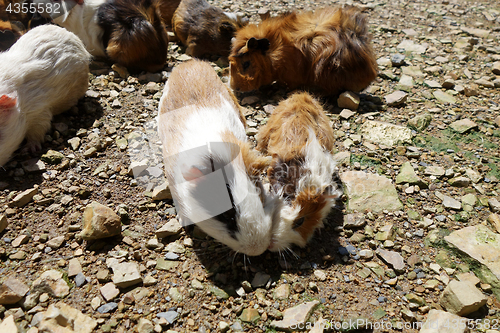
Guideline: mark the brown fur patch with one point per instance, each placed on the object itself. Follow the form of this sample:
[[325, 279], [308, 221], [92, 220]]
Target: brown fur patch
[[311, 203], [197, 82], [204, 29], [287, 131], [329, 50], [135, 34], [167, 10]]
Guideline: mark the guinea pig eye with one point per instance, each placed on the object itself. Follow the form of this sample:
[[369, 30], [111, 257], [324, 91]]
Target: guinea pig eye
[[245, 65], [298, 223]]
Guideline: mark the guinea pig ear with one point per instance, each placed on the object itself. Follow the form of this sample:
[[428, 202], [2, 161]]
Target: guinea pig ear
[[7, 102], [258, 44]]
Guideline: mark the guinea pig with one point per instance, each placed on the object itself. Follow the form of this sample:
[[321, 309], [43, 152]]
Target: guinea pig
[[204, 29], [44, 73], [212, 171], [134, 33], [128, 32], [327, 51], [299, 138]]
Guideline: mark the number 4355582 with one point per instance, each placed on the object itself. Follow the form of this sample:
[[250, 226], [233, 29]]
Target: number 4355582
[[32, 8]]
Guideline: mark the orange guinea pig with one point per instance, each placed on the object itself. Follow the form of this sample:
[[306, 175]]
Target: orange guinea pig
[[204, 29], [299, 138], [328, 50]]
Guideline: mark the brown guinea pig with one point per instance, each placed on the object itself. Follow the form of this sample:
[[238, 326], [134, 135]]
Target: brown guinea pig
[[328, 50], [134, 34], [299, 137], [204, 29]]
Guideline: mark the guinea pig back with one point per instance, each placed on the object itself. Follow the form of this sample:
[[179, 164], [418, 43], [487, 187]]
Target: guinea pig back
[[328, 50], [212, 171], [44, 73], [299, 137]]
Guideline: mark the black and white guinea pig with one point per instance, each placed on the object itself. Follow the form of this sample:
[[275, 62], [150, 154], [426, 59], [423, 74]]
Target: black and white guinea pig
[[205, 29], [44, 73], [128, 32], [212, 171], [299, 138]]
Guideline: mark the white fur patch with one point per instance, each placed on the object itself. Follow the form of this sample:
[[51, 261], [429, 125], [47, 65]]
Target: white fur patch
[[82, 21], [231, 16]]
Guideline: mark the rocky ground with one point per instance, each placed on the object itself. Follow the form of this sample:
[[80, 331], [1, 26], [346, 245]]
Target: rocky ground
[[415, 238]]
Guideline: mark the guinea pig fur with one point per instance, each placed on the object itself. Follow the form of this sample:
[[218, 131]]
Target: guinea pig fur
[[204, 29], [128, 32], [134, 33], [201, 128], [167, 10], [328, 51], [299, 137], [82, 21], [44, 73]]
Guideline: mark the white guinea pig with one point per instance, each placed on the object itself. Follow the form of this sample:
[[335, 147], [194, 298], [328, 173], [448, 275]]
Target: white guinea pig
[[212, 171], [44, 73]]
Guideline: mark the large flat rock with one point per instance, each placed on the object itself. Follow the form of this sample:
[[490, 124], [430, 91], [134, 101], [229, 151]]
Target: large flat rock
[[480, 243], [385, 133], [370, 192], [462, 298]]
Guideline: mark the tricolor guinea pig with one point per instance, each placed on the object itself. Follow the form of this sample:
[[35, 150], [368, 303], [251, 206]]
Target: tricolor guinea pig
[[299, 138], [128, 32], [212, 171], [328, 51], [204, 29], [44, 73]]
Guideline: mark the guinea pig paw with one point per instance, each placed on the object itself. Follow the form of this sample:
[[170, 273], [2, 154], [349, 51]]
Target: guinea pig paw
[[32, 147]]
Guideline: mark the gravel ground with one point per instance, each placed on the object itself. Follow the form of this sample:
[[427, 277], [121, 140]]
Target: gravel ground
[[198, 285]]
